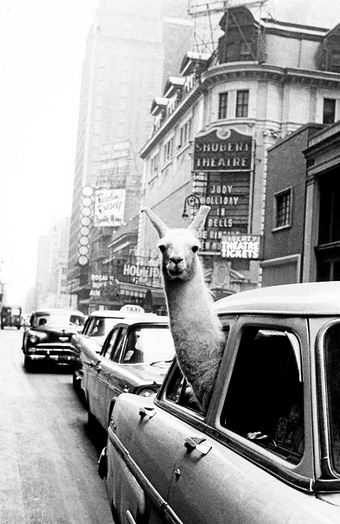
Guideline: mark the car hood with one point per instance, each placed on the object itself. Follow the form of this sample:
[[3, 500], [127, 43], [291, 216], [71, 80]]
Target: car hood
[[58, 329]]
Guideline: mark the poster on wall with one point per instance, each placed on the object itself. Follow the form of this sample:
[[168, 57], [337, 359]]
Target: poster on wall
[[109, 207]]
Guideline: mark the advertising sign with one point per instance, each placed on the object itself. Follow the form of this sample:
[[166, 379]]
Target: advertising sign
[[223, 150], [241, 246], [109, 207], [222, 166]]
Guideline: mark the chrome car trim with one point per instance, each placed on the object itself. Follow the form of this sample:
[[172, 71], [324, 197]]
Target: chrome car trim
[[161, 504]]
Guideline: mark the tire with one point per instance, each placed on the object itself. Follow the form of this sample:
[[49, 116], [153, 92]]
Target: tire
[[91, 420], [28, 364]]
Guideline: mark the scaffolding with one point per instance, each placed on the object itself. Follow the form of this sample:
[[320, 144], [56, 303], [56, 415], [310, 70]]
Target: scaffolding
[[207, 16]]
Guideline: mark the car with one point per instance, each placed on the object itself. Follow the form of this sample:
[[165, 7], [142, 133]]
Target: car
[[11, 316], [134, 358], [47, 339], [268, 447], [96, 328]]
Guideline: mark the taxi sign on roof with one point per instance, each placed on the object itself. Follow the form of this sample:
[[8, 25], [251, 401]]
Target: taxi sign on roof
[[132, 308]]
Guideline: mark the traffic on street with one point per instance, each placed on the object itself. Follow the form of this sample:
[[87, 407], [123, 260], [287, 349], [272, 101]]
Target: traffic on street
[[48, 458]]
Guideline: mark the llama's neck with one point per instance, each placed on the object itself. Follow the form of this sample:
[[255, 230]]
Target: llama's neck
[[196, 331]]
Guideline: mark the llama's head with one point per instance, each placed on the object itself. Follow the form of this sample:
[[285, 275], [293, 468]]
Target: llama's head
[[179, 246]]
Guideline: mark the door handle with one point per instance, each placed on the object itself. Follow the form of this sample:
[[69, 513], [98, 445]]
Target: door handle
[[192, 443], [98, 368], [151, 412]]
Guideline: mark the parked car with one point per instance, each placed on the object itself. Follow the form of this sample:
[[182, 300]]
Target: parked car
[[268, 448], [134, 358], [91, 339], [48, 336]]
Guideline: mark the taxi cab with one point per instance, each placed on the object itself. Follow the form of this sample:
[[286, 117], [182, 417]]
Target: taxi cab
[[134, 358], [268, 448]]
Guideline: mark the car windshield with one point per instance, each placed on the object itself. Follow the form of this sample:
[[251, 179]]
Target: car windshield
[[148, 345], [58, 319]]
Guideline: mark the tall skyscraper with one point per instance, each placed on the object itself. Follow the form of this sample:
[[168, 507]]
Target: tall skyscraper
[[131, 50]]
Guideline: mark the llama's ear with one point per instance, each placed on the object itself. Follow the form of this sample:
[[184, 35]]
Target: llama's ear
[[156, 221], [199, 219]]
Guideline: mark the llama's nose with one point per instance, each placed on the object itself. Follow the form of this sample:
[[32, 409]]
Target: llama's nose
[[176, 259]]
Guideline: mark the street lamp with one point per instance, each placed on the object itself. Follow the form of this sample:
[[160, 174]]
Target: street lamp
[[191, 201]]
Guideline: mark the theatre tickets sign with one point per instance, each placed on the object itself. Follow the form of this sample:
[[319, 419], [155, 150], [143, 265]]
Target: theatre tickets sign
[[222, 169]]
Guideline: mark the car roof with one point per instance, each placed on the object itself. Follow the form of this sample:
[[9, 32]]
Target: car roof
[[144, 319], [49, 311], [317, 298], [114, 313]]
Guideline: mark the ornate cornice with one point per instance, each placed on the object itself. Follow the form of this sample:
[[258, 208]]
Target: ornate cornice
[[241, 71]]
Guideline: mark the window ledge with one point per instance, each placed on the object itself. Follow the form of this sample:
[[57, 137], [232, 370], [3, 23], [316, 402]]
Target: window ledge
[[281, 228]]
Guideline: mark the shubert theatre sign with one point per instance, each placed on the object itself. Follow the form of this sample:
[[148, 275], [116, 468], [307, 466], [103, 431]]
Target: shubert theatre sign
[[222, 167]]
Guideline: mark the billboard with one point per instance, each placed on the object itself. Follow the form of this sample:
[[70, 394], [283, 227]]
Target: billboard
[[241, 246], [109, 207], [223, 150]]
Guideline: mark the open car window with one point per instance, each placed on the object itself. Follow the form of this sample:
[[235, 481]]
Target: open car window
[[179, 391], [264, 401]]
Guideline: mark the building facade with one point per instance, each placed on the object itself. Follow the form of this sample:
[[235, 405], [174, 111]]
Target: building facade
[[127, 56], [321, 250], [283, 234], [51, 288], [213, 127], [302, 224]]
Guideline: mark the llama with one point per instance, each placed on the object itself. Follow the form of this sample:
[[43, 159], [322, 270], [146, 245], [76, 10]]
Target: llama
[[195, 327]]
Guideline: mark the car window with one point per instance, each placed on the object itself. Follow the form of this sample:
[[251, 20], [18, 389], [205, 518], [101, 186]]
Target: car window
[[264, 401], [101, 326], [115, 355], [110, 343], [180, 392], [332, 374], [57, 319], [149, 345]]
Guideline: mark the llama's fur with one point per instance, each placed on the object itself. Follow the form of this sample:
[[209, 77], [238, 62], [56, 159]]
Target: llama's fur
[[195, 327]]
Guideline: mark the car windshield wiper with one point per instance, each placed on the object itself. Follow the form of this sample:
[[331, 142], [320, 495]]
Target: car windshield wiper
[[160, 362]]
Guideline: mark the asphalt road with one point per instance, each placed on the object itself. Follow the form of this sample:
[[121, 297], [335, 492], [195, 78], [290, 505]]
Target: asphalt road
[[48, 461]]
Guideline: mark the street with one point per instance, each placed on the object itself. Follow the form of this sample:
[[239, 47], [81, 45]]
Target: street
[[48, 460]]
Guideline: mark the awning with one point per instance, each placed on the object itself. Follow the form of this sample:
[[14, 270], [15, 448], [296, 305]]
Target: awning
[[155, 297]]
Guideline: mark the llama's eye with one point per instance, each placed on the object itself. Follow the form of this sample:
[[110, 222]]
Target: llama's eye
[[162, 248], [194, 249]]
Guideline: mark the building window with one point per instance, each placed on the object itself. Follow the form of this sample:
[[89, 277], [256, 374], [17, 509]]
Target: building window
[[242, 103], [328, 110], [223, 105], [283, 209], [185, 133], [168, 149], [154, 163], [245, 51]]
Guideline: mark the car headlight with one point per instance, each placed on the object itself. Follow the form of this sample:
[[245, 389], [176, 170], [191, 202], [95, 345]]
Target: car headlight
[[147, 392], [34, 338]]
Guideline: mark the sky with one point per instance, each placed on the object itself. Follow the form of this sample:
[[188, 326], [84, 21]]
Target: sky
[[42, 48]]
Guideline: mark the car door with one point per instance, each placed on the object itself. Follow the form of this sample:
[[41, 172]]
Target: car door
[[153, 440], [256, 444], [103, 373]]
